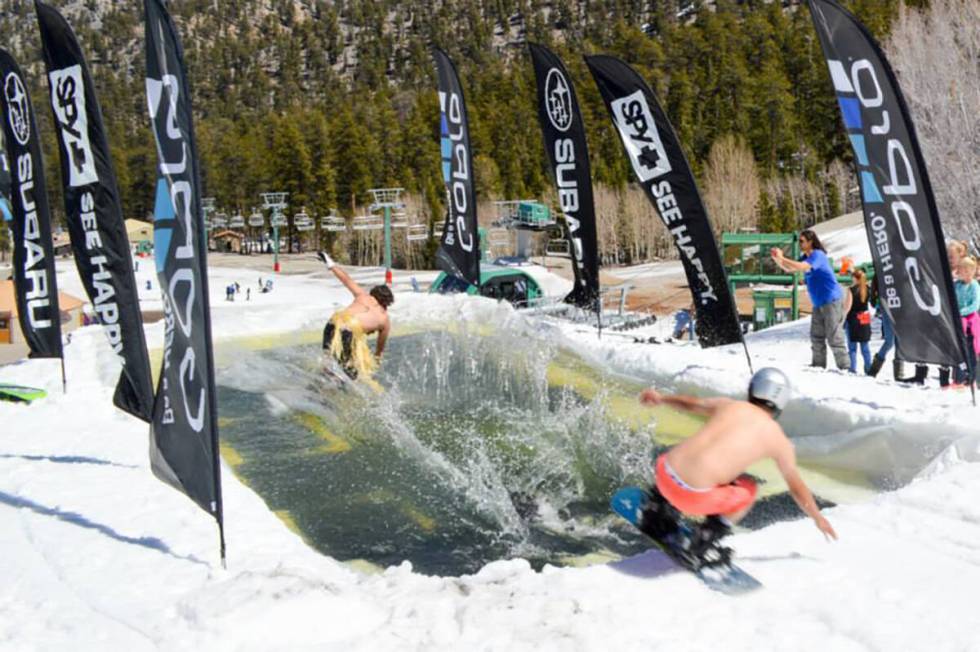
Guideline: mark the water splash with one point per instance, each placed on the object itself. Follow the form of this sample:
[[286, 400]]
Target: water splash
[[469, 456]]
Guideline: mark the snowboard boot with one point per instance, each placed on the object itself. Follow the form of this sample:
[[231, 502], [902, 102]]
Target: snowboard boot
[[876, 365], [659, 519], [944, 376]]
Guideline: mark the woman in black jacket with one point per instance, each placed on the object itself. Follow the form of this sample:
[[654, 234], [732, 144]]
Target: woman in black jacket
[[859, 321]]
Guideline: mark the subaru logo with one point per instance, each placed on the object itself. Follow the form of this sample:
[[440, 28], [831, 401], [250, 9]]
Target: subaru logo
[[17, 108], [558, 100]]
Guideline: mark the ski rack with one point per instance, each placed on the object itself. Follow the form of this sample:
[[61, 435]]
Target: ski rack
[[617, 317]]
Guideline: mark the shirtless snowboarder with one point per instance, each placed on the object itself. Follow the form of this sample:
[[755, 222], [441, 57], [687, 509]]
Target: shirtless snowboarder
[[703, 475], [345, 335]]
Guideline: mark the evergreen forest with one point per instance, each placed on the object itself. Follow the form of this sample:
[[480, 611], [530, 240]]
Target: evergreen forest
[[325, 100]]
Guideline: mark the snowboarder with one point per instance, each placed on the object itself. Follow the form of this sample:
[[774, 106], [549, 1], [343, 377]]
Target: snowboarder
[[703, 475], [345, 334]]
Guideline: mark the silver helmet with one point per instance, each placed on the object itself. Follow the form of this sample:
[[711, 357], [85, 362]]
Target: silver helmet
[[770, 388]]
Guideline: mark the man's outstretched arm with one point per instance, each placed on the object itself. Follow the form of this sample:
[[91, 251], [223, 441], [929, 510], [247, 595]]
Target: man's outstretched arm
[[382, 339], [343, 276], [786, 264], [802, 494], [703, 406]]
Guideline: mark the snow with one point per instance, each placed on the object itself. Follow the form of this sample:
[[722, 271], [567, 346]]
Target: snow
[[845, 236], [97, 554]]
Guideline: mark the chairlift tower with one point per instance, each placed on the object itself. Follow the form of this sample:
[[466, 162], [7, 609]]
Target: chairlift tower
[[388, 199], [275, 202], [525, 216]]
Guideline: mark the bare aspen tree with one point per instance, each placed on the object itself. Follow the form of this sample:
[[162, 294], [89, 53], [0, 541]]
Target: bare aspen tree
[[841, 176], [936, 55], [731, 184], [606, 209]]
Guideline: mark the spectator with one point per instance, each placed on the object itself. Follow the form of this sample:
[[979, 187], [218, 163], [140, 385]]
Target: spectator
[[887, 334], [968, 300], [858, 322], [955, 251], [826, 295], [684, 323]]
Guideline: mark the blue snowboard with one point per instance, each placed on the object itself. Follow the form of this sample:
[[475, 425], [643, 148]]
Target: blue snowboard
[[725, 577]]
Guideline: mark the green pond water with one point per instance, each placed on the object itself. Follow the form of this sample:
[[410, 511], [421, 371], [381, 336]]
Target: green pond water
[[483, 446]]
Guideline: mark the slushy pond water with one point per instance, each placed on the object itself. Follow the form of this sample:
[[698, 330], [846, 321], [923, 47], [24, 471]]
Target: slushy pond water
[[484, 446]]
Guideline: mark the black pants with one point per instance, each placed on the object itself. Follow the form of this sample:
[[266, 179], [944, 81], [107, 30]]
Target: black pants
[[347, 342]]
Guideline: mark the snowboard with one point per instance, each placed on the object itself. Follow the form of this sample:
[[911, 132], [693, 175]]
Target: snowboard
[[20, 394], [716, 571]]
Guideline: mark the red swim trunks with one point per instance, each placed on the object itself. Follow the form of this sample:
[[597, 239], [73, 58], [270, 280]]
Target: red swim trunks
[[723, 499]]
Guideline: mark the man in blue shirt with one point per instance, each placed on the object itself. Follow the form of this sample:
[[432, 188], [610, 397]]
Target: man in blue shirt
[[826, 295]]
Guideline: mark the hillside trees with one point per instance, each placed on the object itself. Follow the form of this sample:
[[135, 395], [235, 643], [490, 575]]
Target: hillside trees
[[936, 55], [326, 99]]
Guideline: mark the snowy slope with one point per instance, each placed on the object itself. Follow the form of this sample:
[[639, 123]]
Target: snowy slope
[[98, 554]]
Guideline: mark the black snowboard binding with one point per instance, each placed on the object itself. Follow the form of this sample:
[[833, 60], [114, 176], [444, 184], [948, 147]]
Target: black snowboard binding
[[659, 519], [705, 539]]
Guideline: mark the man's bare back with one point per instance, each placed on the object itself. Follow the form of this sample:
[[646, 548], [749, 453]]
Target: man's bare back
[[368, 313], [736, 435], [366, 308]]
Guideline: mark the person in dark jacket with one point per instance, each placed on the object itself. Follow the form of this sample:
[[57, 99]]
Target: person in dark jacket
[[887, 331], [858, 322]]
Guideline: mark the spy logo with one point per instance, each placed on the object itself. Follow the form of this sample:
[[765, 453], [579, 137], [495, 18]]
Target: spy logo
[[558, 100], [68, 101], [18, 111], [640, 136]]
